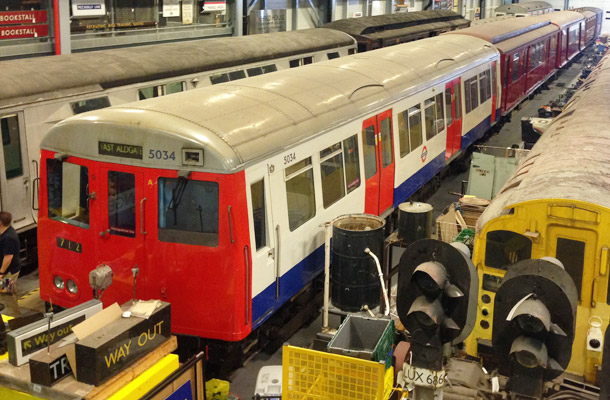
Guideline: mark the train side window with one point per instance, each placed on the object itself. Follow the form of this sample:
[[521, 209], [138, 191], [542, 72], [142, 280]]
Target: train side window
[[175, 87], [440, 113], [300, 193], [504, 248], [295, 63], [351, 51], [235, 75], [269, 68], [484, 89], [571, 253], [448, 105], [515, 67], [471, 93], [90, 104], [458, 100], [387, 151], [415, 128], [67, 192], [333, 55], [352, 163], [219, 78], [150, 92], [11, 146], [122, 203], [370, 152], [493, 81], [259, 218], [307, 60], [403, 133], [430, 116], [188, 211], [333, 177], [255, 71], [553, 49]]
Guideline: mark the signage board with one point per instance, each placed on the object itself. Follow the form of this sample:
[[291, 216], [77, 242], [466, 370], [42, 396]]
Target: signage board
[[27, 31], [214, 6], [171, 8], [88, 8], [266, 21], [22, 17]]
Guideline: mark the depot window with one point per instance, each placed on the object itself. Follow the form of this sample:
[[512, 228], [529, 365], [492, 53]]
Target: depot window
[[505, 248], [300, 194], [188, 211], [68, 192]]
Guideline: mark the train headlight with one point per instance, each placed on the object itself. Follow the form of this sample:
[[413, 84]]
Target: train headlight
[[72, 288], [58, 282]]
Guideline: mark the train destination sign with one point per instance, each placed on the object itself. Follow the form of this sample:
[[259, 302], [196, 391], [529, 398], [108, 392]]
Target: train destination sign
[[120, 150]]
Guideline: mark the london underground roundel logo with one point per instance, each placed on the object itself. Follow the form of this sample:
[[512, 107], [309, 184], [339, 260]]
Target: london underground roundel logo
[[424, 154]]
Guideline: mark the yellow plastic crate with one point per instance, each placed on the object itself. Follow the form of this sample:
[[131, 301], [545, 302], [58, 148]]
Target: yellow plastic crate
[[312, 375]]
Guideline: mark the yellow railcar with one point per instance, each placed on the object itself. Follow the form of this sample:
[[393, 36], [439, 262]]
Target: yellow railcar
[[557, 204]]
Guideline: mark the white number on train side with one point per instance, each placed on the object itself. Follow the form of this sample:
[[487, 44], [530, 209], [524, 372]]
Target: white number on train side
[[289, 158], [161, 155]]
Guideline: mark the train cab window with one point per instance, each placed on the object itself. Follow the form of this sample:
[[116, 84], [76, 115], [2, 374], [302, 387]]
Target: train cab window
[[333, 55], [269, 68], [370, 152], [300, 193], [515, 67], [235, 75], [471, 95], [505, 248], [484, 86], [333, 177], [259, 219], [175, 87], [219, 78], [11, 146], [188, 211], [121, 203], [352, 163], [68, 192], [571, 253], [255, 71], [89, 105], [387, 151]]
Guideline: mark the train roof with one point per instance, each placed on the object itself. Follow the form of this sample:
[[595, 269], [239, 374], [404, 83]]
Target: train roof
[[45, 78], [240, 122], [523, 8], [505, 29], [570, 161], [564, 18], [398, 24]]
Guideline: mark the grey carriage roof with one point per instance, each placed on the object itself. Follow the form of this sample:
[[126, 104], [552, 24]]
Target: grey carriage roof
[[43, 78], [570, 161], [523, 7], [242, 121]]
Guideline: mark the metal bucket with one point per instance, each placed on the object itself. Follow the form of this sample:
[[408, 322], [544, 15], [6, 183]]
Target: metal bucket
[[414, 221], [353, 273]]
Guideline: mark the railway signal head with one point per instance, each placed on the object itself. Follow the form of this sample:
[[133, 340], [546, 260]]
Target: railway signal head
[[437, 286], [534, 315]]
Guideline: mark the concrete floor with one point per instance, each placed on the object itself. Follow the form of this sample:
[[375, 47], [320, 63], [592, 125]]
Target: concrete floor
[[243, 380]]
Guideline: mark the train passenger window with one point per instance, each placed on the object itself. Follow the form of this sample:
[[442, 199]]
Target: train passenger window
[[484, 89], [219, 78], [493, 81], [504, 248], [458, 100], [11, 146], [440, 113], [67, 192], [515, 66], [259, 218], [448, 105], [352, 163], [333, 177], [89, 105], [235, 75], [175, 87], [370, 152], [188, 211], [553, 49], [269, 68], [430, 115], [295, 63], [403, 133], [122, 203], [255, 71], [415, 128], [333, 55], [471, 93], [307, 60], [150, 92], [387, 151], [571, 253], [300, 193]]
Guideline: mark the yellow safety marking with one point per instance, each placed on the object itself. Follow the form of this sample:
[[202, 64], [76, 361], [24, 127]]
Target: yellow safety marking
[[6, 393], [148, 379]]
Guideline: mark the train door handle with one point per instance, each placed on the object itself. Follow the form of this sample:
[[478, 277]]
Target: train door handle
[[142, 219], [104, 233]]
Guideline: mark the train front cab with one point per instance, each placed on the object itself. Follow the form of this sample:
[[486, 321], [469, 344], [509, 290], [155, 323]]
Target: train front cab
[[180, 230], [574, 232]]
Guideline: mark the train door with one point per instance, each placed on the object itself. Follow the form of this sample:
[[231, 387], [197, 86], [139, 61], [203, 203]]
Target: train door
[[262, 243], [378, 162], [453, 105], [122, 206], [15, 177]]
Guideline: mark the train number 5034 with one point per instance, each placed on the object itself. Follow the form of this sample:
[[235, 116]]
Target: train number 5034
[[161, 155]]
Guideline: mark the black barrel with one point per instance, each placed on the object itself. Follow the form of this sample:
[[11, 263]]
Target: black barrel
[[414, 221], [353, 273]]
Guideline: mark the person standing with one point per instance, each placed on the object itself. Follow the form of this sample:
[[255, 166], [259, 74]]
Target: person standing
[[9, 254]]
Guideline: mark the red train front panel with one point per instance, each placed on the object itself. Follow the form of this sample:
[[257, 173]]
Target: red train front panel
[[186, 235]]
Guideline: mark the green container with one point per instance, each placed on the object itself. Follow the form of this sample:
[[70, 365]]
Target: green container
[[365, 338]]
